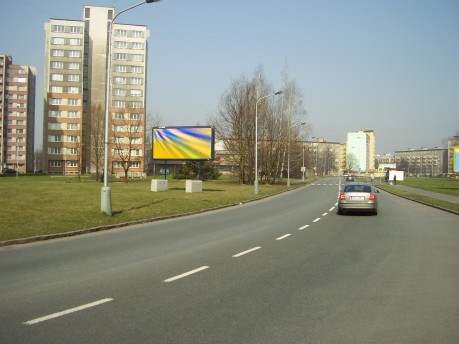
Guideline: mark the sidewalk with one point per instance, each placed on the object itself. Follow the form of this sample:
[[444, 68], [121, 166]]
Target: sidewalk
[[436, 195]]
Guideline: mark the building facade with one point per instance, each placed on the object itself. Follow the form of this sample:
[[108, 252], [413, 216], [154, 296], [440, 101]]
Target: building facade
[[17, 116], [424, 162], [358, 144], [74, 98]]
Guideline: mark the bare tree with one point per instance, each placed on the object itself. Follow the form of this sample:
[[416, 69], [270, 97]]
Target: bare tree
[[128, 138], [95, 141]]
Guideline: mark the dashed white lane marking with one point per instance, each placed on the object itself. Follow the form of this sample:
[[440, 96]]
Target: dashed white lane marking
[[68, 311], [283, 237], [245, 252], [324, 214], [186, 274], [316, 220], [301, 228], [331, 208]]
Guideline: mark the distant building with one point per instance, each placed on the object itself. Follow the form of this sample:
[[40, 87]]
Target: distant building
[[17, 115], [453, 155], [425, 162], [74, 98], [361, 151]]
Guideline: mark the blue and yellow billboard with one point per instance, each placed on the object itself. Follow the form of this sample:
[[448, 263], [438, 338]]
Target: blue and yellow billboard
[[456, 160], [183, 143]]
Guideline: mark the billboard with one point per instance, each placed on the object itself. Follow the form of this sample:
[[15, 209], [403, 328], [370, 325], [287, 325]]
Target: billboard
[[183, 143], [456, 160]]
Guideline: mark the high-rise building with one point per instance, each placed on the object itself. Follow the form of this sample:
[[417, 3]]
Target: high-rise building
[[75, 86], [357, 151], [17, 115]]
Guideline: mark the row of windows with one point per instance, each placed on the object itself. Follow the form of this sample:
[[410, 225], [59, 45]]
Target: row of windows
[[64, 28], [125, 81], [16, 131], [129, 33], [121, 152], [68, 77], [134, 164], [128, 69], [65, 65], [122, 92], [127, 128], [63, 126], [63, 138], [125, 140], [125, 104], [63, 101], [60, 150], [129, 45], [128, 57], [68, 89], [122, 115], [66, 41], [65, 53], [68, 114], [58, 163]]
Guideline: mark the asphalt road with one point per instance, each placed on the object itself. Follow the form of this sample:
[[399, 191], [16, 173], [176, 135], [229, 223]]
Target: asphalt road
[[286, 269]]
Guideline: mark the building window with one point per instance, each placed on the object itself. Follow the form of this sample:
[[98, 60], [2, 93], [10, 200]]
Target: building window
[[135, 164], [119, 103], [75, 29], [136, 93], [72, 138], [135, 116], [72, 126], [119, 115], [119, 92], [55, 163], [54, 126], [55, 150], [57, 52], [136, 105], [121, 45], [57, 89], [57, 28], [136, 81], [74, 53], [72, 163], [74, 102], [73, 89], [75, 41], [137, 57], [55, 101], [56, 138], [137, 45], [58, 40], [55, 113], [120, 80], [136, 69], [121, 56], [135, 152], [73, 114], [73, 77], [72, 151], [57, 77], [137, 34], [57, 65], [121, 68], [120, 33], [118, 164], [118, 127]]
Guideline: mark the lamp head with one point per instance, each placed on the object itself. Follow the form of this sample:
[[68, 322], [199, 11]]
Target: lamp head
[[278, 92], [150, 1]]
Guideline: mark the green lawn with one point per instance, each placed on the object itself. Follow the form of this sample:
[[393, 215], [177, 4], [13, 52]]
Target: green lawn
[[41, 205], [443, 185]]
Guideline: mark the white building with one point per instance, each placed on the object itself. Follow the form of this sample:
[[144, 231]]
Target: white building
[[358, 151]]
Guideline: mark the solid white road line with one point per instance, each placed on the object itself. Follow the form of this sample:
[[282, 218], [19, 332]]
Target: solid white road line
[[245, 252], [301, 228], [68, 311], [186, 274], [283, 237], [316, 220]]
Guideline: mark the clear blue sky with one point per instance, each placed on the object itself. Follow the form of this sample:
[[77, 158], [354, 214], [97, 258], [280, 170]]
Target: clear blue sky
[[387, 65]]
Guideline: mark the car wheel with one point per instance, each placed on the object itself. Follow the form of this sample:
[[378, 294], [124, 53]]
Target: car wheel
[[340, 211]]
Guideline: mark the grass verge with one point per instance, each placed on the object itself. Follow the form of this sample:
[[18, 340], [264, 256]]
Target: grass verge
[[45, 205]]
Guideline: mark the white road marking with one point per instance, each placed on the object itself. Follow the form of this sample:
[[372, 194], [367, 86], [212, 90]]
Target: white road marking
[[324, 214], [283, 237], [301, 228], [68, 311], [316, 220], [186, 274], [245, 252], [331, 208]]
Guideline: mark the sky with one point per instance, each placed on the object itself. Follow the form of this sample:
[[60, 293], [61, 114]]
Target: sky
[[388, 65]]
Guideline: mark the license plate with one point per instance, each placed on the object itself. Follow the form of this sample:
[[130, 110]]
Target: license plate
[[357, 198]]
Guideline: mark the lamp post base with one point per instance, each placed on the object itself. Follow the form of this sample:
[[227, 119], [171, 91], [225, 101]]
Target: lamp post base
[[255, 187], [106, 200]]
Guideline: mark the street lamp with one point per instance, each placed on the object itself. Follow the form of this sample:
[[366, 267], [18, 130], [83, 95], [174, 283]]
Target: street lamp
[[106, 198], [288, 152], [255, 183]]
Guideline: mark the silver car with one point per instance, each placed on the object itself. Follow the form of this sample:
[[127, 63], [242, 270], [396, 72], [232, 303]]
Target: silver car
[[358, 197]]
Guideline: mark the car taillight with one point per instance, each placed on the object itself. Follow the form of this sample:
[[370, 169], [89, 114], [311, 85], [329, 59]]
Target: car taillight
[[342, 197], [372, 197]]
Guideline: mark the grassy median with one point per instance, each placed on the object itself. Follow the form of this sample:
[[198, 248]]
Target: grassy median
[[45, 205]]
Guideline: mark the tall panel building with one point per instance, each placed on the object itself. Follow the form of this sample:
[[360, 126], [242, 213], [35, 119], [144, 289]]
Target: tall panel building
[[17, 115], [74, 101]]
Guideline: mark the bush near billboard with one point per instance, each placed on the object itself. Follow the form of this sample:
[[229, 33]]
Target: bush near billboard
[[183, 143]]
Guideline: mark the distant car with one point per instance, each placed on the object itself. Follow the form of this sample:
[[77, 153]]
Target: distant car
[[358, 197], [9, 171], [349, 178]]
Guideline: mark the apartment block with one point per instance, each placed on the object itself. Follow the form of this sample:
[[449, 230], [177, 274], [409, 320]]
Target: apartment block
[[76, 57], [361, 151], [17, 115]]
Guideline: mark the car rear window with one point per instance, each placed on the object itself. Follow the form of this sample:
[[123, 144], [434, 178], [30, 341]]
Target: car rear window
[[357, 188]]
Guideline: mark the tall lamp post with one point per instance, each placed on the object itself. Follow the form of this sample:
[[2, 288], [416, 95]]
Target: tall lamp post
[[288, 152], [106, 197], [255, 183]]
